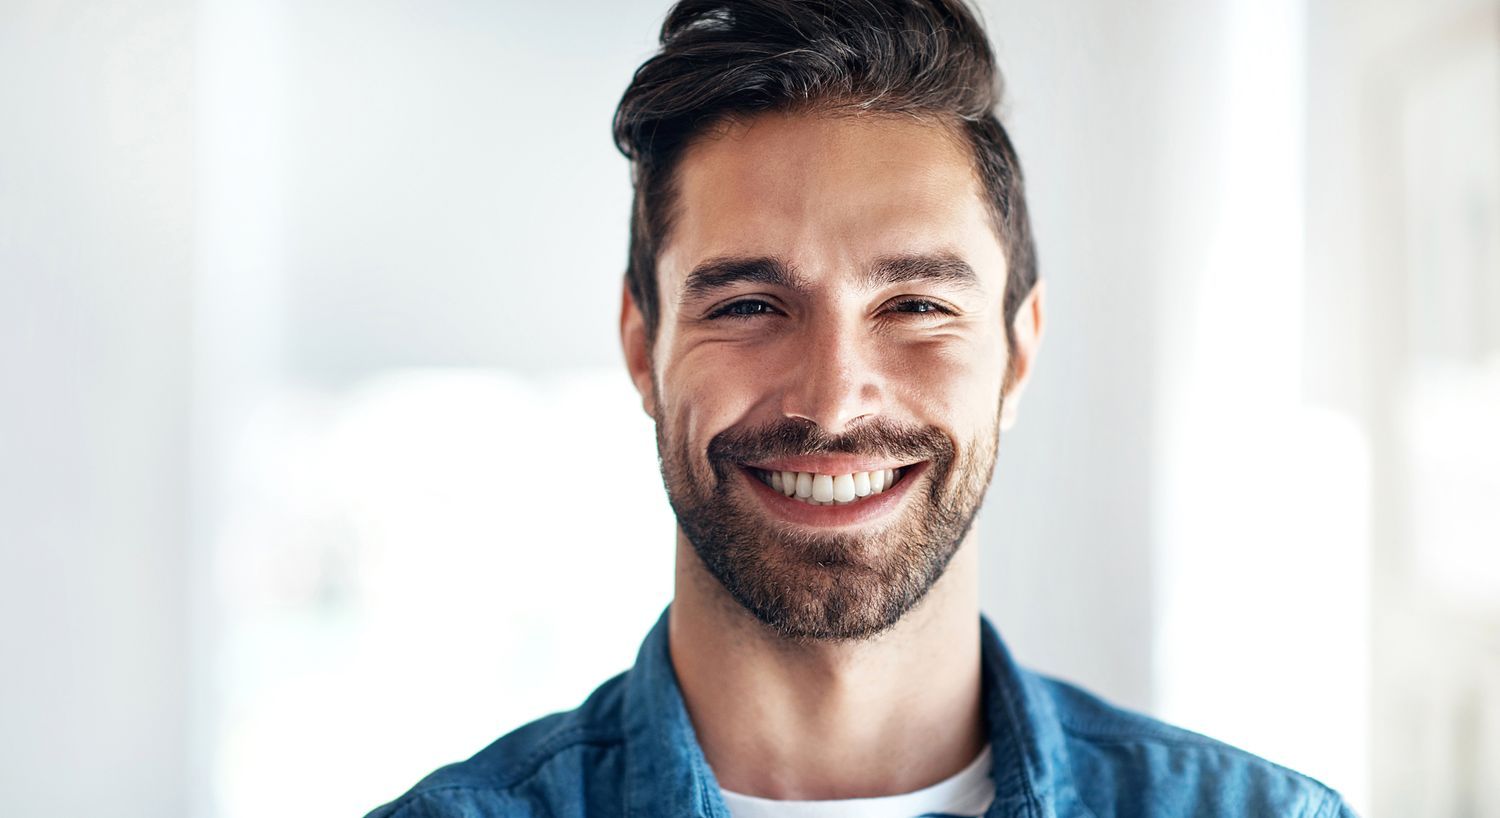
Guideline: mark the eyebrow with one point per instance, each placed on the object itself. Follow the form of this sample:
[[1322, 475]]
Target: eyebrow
[[726, 271], [937, 268]]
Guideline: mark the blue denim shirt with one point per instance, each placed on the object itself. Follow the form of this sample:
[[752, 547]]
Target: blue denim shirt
[[629, 750]]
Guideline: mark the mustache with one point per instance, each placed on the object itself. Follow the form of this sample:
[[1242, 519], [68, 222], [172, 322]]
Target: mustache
[[792, 437]]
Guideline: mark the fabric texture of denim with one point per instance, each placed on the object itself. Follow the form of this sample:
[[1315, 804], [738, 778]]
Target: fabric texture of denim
[[630, 750]]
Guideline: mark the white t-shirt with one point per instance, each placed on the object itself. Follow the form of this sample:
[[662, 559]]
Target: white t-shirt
[[965, 795]]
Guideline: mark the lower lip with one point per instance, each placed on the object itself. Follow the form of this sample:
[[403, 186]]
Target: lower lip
[[863, 511]]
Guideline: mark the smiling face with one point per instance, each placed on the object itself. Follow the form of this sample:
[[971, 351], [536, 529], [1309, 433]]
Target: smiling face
[[827, 373]]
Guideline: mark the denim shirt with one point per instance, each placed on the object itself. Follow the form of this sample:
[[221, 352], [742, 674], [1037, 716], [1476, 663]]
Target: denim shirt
[[630, 750]]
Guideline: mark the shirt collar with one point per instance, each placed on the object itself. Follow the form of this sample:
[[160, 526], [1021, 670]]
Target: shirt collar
[[665, 769], [1031, 765]]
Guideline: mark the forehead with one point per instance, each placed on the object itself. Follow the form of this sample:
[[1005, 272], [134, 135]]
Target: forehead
[[829, 193]]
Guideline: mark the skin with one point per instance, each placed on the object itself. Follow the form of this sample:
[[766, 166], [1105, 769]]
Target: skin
[[820, 718]]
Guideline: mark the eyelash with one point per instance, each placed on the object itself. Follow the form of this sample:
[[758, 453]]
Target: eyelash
[[728, 310], [934, 306]]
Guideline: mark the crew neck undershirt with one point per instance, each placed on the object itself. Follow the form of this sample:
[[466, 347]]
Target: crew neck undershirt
[[966, 794]]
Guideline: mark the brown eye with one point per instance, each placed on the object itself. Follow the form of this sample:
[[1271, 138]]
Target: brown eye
[[920, 306], [747, 308]]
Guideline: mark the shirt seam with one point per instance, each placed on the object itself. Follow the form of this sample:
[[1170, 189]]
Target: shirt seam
[[1331, 805], [1326, 807], [1202, 743]]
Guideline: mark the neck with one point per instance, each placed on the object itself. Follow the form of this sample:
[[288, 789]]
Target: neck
[[825, 720]]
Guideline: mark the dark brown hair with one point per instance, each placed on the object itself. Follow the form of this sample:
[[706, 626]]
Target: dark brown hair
[[722, 59]]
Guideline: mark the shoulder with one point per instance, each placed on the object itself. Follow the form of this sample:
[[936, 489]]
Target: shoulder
[[536, 769], [1126, 763]]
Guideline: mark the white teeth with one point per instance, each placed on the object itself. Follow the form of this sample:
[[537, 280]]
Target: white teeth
[[843, 488], [829, 489], [822, 488], [861, 484]]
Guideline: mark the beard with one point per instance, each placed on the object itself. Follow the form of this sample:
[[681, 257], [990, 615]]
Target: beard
[[834, 585]]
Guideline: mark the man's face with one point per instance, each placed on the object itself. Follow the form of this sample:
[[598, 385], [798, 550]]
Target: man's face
[[827, 373]]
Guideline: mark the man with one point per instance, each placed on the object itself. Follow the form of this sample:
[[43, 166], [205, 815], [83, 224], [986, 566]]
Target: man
[[831, 312]]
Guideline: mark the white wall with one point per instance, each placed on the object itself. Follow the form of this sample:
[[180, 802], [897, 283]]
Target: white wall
[[1111, 106], [1403, 310], [95, 285]]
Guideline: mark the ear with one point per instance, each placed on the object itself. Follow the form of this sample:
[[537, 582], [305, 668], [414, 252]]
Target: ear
[[637, 350], [1029, 324]]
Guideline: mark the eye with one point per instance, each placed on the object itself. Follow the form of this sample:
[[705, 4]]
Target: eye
[[920, 306], [745, 308]]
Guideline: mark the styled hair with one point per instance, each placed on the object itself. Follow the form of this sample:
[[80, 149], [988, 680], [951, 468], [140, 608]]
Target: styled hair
[[727, 59]]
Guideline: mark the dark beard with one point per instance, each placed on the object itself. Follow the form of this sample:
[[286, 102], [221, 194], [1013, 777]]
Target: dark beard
[[835, 586]]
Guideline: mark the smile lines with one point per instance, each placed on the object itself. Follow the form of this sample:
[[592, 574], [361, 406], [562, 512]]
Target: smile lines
[[829, 489]]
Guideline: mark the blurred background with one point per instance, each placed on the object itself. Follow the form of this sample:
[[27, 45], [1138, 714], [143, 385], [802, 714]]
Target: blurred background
[[319, 466]]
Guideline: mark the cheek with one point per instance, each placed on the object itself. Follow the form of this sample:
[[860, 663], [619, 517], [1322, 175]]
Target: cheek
[[710, 389], [950, 382]]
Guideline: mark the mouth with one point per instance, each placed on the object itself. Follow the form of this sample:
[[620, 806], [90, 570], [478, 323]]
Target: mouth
[[826, 500], [818, 489]]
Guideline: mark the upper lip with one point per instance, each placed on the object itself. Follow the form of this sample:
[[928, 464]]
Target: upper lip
[[834, 464]]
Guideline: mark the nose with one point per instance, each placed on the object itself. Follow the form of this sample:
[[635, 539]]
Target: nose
[[835, 379]]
